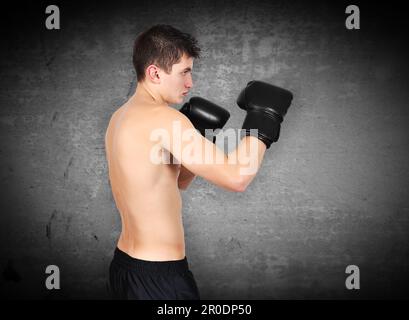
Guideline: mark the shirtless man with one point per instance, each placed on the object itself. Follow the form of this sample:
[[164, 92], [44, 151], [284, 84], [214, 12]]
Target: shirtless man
[[149, 261]]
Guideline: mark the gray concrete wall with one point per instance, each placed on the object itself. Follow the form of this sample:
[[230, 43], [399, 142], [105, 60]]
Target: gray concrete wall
[[332, 192]]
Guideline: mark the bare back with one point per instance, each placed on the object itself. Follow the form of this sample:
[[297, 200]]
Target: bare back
[[146, 194]]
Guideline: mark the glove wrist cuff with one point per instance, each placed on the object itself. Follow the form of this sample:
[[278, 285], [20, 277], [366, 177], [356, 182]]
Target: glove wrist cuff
[[268, 127]]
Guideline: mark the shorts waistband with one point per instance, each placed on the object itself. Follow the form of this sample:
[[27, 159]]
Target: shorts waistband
[[145, 266]]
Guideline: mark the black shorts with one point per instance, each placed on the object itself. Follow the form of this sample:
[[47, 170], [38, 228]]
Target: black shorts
[[135, 279]]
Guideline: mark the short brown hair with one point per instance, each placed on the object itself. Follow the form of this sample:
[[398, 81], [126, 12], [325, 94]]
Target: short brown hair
[[162, 45]]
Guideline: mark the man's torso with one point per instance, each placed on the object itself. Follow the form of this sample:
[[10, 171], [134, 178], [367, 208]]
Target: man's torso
[[146, 194]]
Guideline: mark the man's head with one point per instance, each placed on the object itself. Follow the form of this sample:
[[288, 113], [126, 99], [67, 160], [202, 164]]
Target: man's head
[[163, 59]]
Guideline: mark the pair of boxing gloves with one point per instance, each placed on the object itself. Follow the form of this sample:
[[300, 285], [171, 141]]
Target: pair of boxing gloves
[[266, 106]]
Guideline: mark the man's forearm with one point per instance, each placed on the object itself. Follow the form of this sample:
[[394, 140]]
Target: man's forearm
[[252, 160]]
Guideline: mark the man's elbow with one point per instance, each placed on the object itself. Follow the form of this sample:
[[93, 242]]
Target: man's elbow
[[239, 184]]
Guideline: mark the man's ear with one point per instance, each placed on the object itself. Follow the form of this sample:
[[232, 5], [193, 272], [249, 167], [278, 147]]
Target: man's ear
[[152, 73]]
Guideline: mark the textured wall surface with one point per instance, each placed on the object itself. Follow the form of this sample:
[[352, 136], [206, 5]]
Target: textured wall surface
[[332, 192]]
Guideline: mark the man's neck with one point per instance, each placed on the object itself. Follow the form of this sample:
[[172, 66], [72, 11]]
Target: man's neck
[[144, 93]]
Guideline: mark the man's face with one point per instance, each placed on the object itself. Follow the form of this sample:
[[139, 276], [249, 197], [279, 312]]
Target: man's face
[[177, 84]]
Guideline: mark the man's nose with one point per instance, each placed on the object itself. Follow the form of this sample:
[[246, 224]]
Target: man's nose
[[189, 83]]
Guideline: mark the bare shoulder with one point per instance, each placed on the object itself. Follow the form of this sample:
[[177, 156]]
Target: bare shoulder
[[168, 113], [137, 117], [166, 116]]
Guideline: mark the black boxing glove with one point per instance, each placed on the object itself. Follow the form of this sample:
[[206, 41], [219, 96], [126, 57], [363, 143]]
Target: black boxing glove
[[266, 105], [205, 114]]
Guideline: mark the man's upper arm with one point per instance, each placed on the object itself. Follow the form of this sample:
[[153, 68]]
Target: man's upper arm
[[195, 153]]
